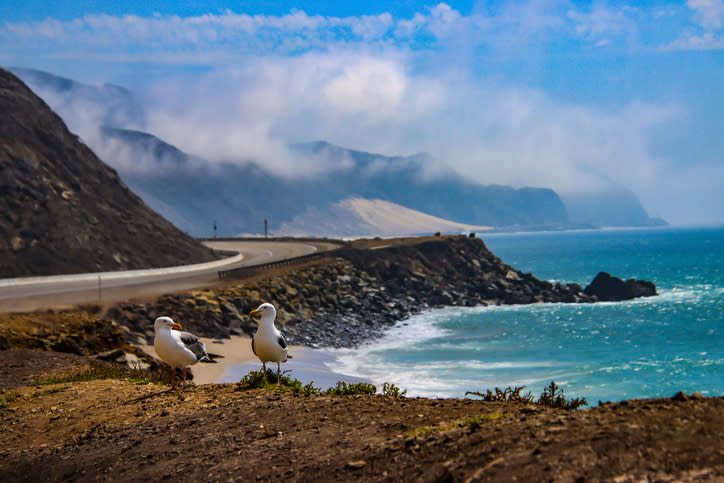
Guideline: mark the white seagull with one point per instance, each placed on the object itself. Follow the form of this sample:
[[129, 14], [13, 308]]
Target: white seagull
[[177, 348], [268, 344]]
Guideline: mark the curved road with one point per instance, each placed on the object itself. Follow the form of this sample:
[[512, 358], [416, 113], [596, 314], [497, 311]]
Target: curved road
[[62, 291]]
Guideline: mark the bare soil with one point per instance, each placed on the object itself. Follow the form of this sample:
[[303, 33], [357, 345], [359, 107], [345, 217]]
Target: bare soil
[[124, 431]]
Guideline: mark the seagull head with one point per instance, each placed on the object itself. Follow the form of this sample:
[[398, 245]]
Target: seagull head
[[264, 312], [166, 323]]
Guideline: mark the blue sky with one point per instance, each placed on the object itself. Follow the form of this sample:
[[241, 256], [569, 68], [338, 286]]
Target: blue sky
[[569, 95]]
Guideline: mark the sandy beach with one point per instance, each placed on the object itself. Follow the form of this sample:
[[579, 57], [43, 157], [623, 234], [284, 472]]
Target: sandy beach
[[307, 365]]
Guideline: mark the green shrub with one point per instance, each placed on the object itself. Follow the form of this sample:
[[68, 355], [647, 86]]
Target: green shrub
[[260, 380], [551, 397], [389, 389], [503, 395], [344, 389]]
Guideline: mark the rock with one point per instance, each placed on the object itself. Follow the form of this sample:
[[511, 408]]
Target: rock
[[119, 356], [613, 289], [132, 361], [111, 355], [680, 396], [356, 465]]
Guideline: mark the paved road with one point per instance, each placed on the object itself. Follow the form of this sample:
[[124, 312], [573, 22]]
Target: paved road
[[61, 291]]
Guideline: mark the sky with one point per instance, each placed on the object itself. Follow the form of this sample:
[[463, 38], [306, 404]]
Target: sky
[[575, 96]]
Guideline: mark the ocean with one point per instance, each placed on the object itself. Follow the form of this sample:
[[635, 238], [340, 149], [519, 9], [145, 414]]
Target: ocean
[[648, 347]]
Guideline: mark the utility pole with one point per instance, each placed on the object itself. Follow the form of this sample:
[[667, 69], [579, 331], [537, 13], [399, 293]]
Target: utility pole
[[98, 271], [265, 228]]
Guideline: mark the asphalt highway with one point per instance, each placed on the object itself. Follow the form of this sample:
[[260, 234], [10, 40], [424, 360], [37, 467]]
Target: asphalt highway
[[62, 291]]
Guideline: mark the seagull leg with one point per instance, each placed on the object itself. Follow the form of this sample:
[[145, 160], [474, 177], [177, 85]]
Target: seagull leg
[[173, 378], [263, 370], [279, 370], [184, 371]]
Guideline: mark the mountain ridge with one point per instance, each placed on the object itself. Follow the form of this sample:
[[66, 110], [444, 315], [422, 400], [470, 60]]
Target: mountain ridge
[[201, 192]]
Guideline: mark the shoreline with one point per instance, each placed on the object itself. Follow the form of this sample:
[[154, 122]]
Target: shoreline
[[306, 364]]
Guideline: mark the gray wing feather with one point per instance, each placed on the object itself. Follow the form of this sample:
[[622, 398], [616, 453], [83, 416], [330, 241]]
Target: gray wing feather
[[195, 345]]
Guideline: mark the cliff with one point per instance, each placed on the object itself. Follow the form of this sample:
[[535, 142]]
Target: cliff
[[62, 210]]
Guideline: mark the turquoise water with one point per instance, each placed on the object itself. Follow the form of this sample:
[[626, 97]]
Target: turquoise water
[[650, 347]]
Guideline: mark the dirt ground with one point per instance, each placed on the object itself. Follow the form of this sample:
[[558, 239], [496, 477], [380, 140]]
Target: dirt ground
[[124, 431]]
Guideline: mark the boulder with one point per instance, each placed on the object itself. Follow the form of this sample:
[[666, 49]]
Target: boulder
[[613, 289]]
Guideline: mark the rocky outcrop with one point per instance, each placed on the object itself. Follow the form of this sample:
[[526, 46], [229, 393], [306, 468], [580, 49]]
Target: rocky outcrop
[[613, 289], [62, 210], [355, 296]]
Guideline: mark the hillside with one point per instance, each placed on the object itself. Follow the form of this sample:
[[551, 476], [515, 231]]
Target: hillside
[[64, 210]]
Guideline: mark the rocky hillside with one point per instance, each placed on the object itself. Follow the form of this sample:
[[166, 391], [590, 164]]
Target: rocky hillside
[[63, 210]]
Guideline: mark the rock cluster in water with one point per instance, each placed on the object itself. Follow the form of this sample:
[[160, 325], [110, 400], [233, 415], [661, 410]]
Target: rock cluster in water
[[613, 289], [356, 295]]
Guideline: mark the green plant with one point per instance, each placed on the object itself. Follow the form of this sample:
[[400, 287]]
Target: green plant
[[310, 390], [344, 389], [389, 389], [503, 395], [9, 397], [260, 380], [553, 397], [51, 390]]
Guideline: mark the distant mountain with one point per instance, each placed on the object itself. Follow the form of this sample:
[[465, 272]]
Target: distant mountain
[[65, 211], [194, 194], [616, 207], [240, 194], [106, 104], [403, 180]]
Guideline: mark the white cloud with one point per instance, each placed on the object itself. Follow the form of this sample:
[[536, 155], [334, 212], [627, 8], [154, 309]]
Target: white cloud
[[230, 35], [706, 33], [372, 86], [486, 131], [601, 23], [708, 13]]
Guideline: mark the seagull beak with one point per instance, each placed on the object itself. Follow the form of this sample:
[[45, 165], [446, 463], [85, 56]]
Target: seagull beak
[[253, 314], [176, 326]]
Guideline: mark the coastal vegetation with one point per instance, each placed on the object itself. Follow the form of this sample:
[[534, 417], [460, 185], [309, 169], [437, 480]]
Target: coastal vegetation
[[260, 380], [552, 396]]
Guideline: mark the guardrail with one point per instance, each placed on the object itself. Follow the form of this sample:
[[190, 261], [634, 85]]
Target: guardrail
[[244, 272]]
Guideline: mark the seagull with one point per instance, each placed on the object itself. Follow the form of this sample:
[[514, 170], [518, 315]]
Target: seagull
[[268, 344], [177, 348]]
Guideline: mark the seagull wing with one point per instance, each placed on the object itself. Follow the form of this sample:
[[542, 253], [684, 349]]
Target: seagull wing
[[195, 345], [283, 344]]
